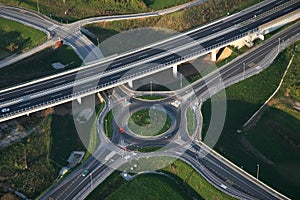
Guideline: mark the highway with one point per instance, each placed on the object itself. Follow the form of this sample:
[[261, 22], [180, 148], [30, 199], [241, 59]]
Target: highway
[[37, 94], [212, 167]]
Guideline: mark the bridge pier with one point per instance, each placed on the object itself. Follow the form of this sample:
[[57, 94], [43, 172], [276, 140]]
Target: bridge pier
[[130, 83], [100, 97], [261, 36], [214, 55], [78, 100], [174, 71]]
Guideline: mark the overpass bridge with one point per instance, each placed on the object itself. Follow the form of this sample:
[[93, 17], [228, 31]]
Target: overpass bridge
[[116, 70]]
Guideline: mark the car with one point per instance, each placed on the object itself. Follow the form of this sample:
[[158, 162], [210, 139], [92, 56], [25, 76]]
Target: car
[[85, 172], [4, 110]]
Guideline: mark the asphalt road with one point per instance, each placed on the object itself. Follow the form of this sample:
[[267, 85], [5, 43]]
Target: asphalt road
[[31, 95]]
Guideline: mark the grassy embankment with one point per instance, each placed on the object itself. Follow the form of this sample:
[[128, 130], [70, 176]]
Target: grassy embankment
[[151, 97], [141, 123], [108, 124], [39, 65], [185, 183], [273, 142], [179, 21], [17, 38], [68, 11], [191, 121]]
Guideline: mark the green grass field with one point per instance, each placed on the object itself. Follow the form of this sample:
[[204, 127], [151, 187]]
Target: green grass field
[[151, 97], [158, 4], [108, 124], [68, 11], [191, 121], [141, 123], [185, 183], [149, 186], [197, 183], [273, 142], [17, 38], [38, 65], [179, 21]]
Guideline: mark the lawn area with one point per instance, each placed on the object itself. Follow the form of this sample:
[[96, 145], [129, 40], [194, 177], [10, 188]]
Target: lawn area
[[151, 97], [17, 38], [148, 122], [108, 124], [195, 181], [25, 165], [39, 65], [149, 186], [158, 4], [179, 21], [274, 141], [191, 121], [68, 11], [149, 149], [185, 183]]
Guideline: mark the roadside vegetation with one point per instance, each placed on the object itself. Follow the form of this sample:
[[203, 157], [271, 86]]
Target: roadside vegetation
[[32, 165], [149, 149], [141, 123], [273, 139], [191, 121], [39, 65], [179, 21], [25, 166], [108, 124], [68, 11], [94, 139], [151, 97], [183, 183], [16, 38]]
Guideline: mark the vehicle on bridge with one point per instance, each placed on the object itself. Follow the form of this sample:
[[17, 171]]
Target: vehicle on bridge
[[4, 110]]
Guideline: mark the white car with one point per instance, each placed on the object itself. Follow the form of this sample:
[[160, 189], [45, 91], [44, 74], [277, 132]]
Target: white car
[[5, 110]]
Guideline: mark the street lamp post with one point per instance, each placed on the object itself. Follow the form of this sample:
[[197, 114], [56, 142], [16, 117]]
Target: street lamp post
[[91, 180], [180, 80], [106, 127], [257, 171], [37, 5], [278, 45], [151, 88]]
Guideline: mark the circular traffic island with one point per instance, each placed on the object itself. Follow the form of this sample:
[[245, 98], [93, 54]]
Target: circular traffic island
[[149, 122]]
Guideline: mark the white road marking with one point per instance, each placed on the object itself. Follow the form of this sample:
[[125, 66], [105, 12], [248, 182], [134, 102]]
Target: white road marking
[[23, 105], [142, 56], [59, 82], [170, 58], [28, 91], [55, 95], [117, 76], [217, 40]]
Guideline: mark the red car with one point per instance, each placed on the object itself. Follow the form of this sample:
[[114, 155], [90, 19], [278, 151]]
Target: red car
[[122, 130]]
